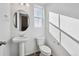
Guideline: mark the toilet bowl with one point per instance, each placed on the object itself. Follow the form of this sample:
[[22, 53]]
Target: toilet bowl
[[45, 50]]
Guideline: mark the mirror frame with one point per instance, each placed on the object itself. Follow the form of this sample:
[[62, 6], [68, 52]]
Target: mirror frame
[[15, 21]]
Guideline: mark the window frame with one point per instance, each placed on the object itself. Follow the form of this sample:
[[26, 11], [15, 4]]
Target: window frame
[[38, 6]]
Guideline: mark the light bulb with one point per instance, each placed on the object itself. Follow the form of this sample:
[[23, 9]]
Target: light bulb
[[21, 3], [27, 4]]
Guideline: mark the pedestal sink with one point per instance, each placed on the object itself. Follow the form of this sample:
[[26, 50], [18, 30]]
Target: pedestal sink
[[21, 41]]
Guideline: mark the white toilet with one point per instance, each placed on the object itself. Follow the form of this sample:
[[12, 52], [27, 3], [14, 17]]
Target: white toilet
[[45, 50]]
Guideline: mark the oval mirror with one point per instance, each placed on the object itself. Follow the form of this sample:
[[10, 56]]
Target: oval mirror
[[21, 20]]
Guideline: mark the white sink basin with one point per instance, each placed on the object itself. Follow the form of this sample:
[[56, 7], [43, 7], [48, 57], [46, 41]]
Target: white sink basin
[[20, 39]]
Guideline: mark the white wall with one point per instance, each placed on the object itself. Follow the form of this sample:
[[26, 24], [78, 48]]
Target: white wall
[[30, 46], [5, 28]]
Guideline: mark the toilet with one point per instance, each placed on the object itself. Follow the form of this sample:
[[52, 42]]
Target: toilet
[[45, 50]]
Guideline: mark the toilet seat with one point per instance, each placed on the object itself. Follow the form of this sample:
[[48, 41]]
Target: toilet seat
[[45, 50]]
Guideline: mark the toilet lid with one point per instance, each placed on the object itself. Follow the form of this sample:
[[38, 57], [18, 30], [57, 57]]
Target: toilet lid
[[45, 49]]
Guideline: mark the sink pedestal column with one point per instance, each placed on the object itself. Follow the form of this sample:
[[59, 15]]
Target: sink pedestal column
[[21, 49]]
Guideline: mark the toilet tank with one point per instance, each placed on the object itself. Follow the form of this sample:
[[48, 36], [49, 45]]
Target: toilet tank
[[40, 40]]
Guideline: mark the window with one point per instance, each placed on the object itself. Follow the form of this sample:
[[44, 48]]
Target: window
[[38, 16], [65, 30], [53, 18], [70, 26]]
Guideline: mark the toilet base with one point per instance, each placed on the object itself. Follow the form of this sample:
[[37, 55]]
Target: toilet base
[[41, 54]]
